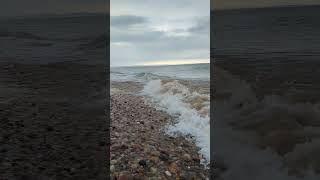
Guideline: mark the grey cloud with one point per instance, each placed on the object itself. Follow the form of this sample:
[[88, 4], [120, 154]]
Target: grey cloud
[[160, 30], [135, 36], [127, 20], [202, 26]]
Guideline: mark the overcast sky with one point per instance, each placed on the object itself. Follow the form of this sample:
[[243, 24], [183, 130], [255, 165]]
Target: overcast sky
[[148, 32]]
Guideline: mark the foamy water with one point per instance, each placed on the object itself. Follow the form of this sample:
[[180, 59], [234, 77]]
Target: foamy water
[[183, 92], [190, 108]]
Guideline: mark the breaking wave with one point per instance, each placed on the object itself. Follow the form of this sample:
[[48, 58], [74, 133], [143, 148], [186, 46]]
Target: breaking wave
[[190, 108]]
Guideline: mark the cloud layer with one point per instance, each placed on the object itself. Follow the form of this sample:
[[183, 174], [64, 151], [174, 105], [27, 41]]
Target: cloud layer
[[145, 31]]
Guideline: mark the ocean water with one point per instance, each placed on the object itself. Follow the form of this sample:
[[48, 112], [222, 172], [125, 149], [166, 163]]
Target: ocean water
[[276, 49], [266, 98], [182, 91], [50, 39]]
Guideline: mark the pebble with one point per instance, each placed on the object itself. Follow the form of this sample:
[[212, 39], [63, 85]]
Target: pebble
[[123, 177], [168, 173], [143, 163], [112, 168], [187, 157], [173, 168], [153, 170], [163, 157], [150, 154], [134, 166], [155, 153], [112, 162]]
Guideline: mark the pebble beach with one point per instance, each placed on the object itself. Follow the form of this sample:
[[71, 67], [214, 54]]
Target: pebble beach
[[140, 147]]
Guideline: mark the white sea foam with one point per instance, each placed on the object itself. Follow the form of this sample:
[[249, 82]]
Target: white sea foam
[[191, 110]]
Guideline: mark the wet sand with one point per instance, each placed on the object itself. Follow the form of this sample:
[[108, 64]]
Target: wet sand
[[140, 147], [53, 121]]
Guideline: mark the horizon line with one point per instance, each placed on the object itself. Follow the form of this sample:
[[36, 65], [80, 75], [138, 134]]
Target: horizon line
[[160, 65]]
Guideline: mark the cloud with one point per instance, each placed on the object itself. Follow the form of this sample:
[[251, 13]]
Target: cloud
[[149, 31], [124, 21], [202, 26]]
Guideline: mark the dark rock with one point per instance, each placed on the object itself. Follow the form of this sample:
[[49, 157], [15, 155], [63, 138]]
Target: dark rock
[[163, 157], [143, 163]]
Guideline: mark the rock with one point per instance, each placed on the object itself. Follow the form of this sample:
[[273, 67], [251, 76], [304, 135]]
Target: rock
[[112, 162], [196, 159], [124, 146], [164, 157], [187, 157], [155, 153], [143, 163], [154, 159], [153, 170], [168, 173], [112, 168], [134, 166], [137, 147], [173, 168], [123, 177], [187, 175]]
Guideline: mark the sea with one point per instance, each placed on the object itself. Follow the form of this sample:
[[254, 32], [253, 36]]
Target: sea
[[43, 39], [183, 91], [276, 49], [270, 59]]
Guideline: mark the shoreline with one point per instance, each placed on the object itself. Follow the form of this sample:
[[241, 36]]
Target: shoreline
[[140, 147]]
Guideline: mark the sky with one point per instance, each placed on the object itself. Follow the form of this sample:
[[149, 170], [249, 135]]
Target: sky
[[149, 32]]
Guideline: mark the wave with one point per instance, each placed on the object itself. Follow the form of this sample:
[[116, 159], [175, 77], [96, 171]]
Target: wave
[[274, 138], [142, 77], [190, 108], [200, 72]]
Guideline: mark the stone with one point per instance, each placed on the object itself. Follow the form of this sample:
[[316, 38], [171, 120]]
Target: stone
[[155, 153], [143, 163], [187, 157], [164, 157], [168, 173], [112, 168], [173, 168], [112, 162], [153, 170], [123, 177]]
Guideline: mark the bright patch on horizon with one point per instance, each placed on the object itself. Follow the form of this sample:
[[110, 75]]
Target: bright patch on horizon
[[175, 62]]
